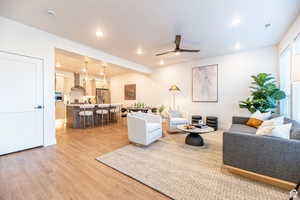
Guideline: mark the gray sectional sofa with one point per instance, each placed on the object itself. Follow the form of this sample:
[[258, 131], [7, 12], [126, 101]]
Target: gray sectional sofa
[[265, 155]]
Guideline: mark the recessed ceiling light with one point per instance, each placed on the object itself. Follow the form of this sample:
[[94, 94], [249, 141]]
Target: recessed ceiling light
[[177, 53], [237, 46], [51, 12], [139, 52], [58, 65], [99, 34], [162, 62], [236, 21]]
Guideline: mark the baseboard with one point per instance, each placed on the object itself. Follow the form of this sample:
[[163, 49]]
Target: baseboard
[[261, 178]]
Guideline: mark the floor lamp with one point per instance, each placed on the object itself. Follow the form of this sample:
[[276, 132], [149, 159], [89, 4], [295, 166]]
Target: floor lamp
[[174, 89]]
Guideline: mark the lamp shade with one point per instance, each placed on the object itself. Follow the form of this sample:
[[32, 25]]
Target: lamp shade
[[174, 88]]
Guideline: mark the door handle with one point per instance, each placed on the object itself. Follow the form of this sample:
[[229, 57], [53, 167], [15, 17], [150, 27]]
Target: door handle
[[39, 107]]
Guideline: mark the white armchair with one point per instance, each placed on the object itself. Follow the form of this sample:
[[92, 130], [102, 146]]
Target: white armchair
[[144, 128], [176, 118]]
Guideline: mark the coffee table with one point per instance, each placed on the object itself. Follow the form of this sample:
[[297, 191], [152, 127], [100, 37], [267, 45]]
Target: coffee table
[[194, 135]]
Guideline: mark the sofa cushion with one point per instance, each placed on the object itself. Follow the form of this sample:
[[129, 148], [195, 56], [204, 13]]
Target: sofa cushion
[[295, 130], [153, 127], [265, 130], [241, 128], [178, 121], [282, 131], [276, 121]]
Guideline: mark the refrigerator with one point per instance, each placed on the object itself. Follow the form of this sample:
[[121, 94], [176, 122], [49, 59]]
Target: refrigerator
[[102, 96]]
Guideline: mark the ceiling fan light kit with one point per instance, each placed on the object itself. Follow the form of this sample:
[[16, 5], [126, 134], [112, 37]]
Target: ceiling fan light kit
[[177, 49]]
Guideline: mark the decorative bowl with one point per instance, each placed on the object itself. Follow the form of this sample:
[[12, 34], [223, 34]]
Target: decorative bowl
[[189, 127]]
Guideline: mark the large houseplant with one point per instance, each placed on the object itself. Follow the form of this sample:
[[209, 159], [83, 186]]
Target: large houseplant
[[265, 95]]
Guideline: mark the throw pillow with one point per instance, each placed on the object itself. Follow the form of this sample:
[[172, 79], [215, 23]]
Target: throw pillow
[[264, 130], [282, 131], [261, 116], [277, 121], [253, 122]]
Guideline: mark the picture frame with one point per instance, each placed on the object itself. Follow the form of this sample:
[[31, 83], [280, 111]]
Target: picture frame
[[130, 92], [205, 83]]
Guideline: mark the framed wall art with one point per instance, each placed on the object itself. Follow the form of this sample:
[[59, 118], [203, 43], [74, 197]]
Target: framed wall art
[[130, 92], [205, 83]]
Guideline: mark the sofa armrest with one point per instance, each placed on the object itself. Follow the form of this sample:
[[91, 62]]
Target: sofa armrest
[[269, 156], [136, 129], [239, 120], [151, 118]]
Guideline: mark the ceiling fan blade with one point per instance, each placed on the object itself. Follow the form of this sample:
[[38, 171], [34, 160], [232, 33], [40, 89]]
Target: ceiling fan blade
[[189, 50], [177, 41], [164, 53]]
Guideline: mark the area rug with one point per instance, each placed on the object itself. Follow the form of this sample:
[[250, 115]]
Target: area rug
[[181, 171]]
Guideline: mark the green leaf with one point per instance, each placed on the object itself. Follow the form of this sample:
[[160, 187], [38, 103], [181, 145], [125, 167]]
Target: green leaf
[[279, 95], [252, 110]]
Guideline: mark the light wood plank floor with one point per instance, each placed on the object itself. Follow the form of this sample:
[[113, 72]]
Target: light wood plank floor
[[69, 170]]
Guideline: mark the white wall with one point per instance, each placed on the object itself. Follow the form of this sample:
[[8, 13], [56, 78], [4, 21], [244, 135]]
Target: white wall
[[145, 87], [234, 80], [25, 40]]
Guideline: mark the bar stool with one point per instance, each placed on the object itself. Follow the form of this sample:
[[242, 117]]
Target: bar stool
[[102, 112], [114, 110], [124, 113], [86, 113]]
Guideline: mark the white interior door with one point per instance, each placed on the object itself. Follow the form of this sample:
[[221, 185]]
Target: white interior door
[[21, 103]]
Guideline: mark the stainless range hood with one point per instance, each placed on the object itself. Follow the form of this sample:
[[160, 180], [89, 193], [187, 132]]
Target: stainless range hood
[[77, 87]]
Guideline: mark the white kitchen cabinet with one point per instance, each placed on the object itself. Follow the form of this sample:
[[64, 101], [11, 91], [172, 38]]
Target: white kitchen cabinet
[[59, 83]]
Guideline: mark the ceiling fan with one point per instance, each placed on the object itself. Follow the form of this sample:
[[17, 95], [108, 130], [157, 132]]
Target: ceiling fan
[[177, 48]]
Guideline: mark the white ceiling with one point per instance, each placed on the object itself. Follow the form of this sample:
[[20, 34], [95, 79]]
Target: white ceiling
[[71, 62], [152, 24]]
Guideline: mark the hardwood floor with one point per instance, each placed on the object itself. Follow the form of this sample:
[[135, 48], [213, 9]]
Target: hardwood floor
[[69, 170]]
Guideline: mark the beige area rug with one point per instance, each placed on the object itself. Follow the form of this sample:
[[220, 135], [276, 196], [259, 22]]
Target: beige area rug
[[181, 171]]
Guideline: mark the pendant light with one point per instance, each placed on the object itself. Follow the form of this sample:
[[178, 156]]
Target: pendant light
[[104, 75], [86, 76]]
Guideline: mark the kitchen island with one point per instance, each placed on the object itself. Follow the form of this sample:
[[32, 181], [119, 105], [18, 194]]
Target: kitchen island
[[72, 113]]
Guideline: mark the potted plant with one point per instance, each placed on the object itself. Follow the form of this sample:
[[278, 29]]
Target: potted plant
[[265, 94], [161, 109]]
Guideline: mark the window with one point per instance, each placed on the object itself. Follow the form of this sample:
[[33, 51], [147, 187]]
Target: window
[[285, 81], [290, 80], [296, 81]]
